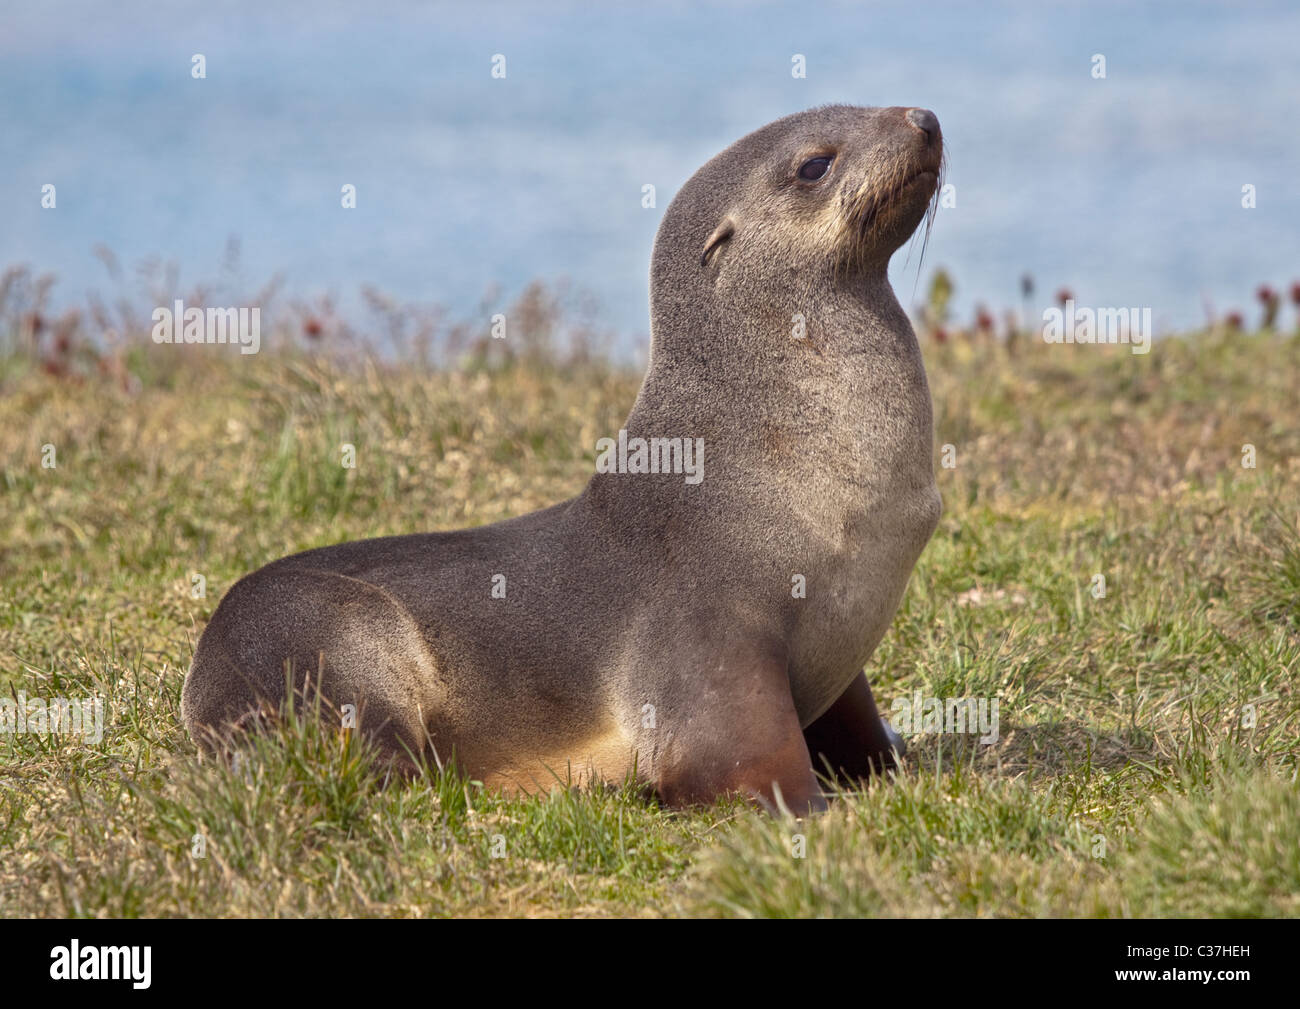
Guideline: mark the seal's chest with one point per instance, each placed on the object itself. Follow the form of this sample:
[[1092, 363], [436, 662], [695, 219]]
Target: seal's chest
[[852, 596]]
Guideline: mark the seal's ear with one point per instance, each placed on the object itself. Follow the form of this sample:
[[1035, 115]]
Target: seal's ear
[[720, 234]]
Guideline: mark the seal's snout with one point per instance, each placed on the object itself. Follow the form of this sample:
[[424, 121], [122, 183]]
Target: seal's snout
[[925, 121]]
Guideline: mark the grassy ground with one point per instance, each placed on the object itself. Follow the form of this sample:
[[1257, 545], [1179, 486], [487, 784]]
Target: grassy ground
[[1147, 756]]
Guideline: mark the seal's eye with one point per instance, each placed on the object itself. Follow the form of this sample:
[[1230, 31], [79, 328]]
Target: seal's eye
[[814, 169]]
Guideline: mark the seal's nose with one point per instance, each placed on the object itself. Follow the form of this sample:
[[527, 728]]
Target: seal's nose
[[925, 120]]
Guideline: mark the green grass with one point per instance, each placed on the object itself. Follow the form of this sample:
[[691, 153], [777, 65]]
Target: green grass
[[1147, 755]]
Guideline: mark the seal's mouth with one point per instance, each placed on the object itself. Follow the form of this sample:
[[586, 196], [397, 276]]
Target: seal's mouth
[[924, 179], [881, 201], [878, 213], [926, 174]]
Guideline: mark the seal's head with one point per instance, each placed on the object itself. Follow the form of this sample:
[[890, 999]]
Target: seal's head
[[820, 197]]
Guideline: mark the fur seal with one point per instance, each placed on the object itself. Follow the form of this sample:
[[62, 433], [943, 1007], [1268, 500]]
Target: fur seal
[[708, 636]]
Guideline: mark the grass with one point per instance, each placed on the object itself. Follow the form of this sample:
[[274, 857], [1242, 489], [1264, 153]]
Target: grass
[[1146, 762]]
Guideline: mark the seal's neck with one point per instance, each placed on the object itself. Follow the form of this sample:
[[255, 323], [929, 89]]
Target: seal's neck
[[752, 354], [835, 404]]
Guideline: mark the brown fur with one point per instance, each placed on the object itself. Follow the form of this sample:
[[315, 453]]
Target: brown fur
[[649, 624]]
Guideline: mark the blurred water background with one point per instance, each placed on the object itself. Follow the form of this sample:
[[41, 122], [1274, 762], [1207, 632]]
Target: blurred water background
[[1125, 190]]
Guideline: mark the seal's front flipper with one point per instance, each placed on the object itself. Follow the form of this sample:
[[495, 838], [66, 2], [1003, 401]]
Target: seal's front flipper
[[850, 740], [738, 732], [896, 742]]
